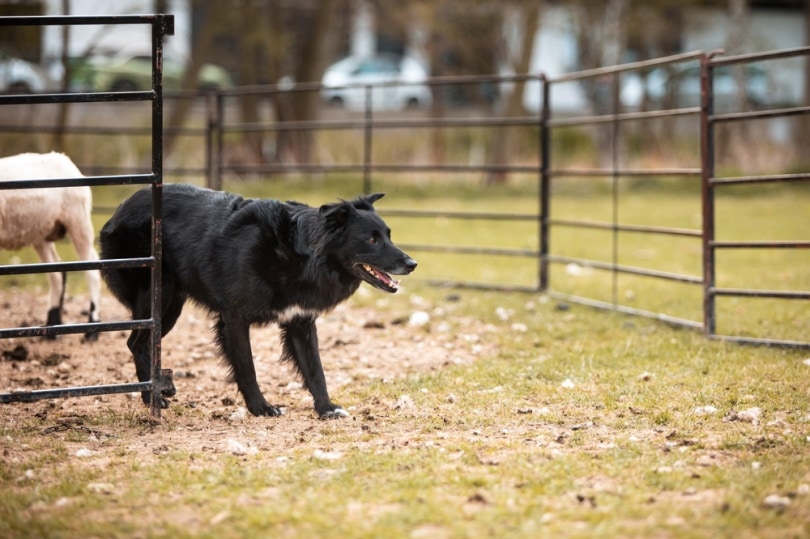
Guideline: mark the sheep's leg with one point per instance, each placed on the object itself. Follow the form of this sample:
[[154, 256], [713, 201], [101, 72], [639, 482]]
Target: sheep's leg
[[47, 254], [82, 236]]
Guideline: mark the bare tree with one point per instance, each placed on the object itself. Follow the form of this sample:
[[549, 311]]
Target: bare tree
[[520, 60], [63, 108], [802, 121], [601, 39], [261, 42]]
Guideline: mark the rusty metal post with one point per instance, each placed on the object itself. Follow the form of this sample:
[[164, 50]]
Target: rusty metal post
[[545, 183], [161, 27], [614, 175], [367, 143], [707, 191]]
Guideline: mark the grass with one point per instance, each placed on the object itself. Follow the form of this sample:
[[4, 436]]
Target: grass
[[581, 423], [515, 453]]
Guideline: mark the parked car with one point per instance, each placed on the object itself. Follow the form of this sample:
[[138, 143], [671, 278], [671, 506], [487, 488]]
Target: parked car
[[683, 86], [20, 77], [401, 83], [134, 73]]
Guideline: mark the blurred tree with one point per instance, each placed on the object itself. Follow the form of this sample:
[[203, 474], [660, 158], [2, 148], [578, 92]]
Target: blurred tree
[[601, 29], [519, 61], [802, 122], [62, 110], [261, 41]]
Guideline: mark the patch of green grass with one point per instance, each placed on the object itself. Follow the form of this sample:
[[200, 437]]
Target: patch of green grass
[[516, 453], [580, 423]]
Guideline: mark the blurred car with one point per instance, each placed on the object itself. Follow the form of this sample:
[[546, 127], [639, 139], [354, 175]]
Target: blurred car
[[134, 73], [683, 86], [400, 79], [20, 77]]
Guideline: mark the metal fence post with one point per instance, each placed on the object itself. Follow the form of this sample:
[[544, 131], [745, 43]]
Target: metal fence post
[[367, 143], [707, 191], [545, 180], [162, 26]]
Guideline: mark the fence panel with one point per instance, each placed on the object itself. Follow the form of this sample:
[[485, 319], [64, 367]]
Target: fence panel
[[684, 295], [161, 25], [714, 183]]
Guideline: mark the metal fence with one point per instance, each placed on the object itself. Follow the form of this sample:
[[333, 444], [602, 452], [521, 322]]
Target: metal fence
[[161, 25], [610, 117], [711, 184]]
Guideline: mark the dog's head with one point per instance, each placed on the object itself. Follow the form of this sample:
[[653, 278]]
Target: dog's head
[[364, 247]]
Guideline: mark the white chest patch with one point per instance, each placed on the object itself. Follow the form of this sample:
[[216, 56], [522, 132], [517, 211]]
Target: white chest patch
[[296, 311]]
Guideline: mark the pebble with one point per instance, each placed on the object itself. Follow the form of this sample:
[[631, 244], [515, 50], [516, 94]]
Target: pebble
[[775, 501]]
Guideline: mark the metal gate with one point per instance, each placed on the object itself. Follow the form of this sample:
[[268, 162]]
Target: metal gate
[[161, 25], [703, 115]]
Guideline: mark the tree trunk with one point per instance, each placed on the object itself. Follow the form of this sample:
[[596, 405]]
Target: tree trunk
[[514, 102], [802, 121], [63, 108], [737, 140], [200, 47], [309, 69]]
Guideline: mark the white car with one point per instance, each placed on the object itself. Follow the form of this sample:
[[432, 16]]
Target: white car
[[397, 83], [20, 77]]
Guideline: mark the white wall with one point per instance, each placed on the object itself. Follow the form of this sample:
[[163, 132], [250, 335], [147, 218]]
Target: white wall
[[126, 38]]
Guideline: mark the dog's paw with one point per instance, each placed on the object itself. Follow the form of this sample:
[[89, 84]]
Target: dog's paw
[[265, 410], [335, 413]]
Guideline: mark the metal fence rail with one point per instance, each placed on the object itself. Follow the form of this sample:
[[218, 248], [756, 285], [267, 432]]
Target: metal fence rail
[[161, 25]]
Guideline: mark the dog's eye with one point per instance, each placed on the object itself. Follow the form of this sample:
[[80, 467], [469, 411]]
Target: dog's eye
[[372, 239]]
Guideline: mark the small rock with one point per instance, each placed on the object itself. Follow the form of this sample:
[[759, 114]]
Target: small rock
[[326, 455], [239, 415], [419, 319], [751, 415], [101, 488], [84, 452], [503, 314], [404, 402], [775, 501], [567, 384], [238, 448], [705, 410]]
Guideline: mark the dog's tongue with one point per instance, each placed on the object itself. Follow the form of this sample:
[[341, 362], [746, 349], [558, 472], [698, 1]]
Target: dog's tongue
[[386, 279], [382, 276]]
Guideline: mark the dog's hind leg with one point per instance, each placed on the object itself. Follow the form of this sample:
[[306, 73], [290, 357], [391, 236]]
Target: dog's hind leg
[[300, 341], [233, 337]]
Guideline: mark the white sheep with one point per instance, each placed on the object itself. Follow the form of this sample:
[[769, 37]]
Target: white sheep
[[40, 216]]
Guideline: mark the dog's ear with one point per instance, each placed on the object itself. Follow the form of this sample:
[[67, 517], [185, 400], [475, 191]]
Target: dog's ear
[[366, 202], [337, 214]]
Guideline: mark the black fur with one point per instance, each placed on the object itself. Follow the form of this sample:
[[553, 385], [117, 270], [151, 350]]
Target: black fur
[[251, 262]]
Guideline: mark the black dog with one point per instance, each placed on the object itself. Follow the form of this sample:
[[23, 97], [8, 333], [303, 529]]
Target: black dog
[[251, 262]]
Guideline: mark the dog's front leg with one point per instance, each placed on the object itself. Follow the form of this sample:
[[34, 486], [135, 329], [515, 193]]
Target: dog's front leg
[[234, 340], [300, 340]]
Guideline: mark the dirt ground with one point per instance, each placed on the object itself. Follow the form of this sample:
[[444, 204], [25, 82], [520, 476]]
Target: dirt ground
[[358, 344]]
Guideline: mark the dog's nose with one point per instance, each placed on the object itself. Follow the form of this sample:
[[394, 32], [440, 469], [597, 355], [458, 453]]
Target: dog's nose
[[410, 264]]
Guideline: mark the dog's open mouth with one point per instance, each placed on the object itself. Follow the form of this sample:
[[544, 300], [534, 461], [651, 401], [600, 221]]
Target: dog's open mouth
[[379, 278]]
